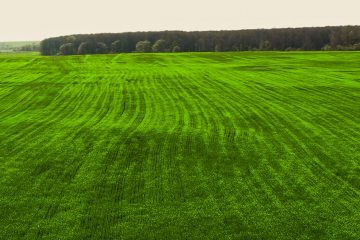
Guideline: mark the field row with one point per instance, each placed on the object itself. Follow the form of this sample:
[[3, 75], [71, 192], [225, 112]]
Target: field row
[[168, 146]]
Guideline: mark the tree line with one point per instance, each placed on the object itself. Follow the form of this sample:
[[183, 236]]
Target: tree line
[[281, 39], [25, 46]]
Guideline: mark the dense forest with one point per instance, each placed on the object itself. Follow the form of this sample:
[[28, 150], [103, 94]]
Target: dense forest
[[281, 39]]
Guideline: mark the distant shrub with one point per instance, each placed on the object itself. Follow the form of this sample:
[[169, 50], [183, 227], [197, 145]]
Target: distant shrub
[[143, 46], [356, 46], [86, 48], [101, 48], [116, 46], [218, 48], [264, 45], [160, 46], [66, 49], [326, 47], [234, 48], [70, 39], [176, 49]]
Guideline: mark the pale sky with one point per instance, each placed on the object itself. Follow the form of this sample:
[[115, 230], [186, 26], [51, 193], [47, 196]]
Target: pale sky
[[38, 19]]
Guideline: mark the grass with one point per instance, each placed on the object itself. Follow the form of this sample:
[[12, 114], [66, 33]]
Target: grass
[[255, 145]]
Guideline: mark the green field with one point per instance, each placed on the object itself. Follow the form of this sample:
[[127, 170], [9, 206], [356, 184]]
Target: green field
[[255, 145]]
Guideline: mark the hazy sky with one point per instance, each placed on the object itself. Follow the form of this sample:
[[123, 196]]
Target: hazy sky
[[38, 19]]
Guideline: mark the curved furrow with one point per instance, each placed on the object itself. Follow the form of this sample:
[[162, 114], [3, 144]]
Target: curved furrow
[[18, 102], [25, 83], [59, 114], [222, 131], [225, 138], [144, 80], [12, 112], [32, 126], [53, 109], [115, 152], [180, 135], [335, 96], [184, 137], [299, 120], [137, 147], [140, 114], [321, 96], [262, 109], [298, 134], [197, 102], [19, 108], [232, 143], [86, 114], [324, 124], [133, 116], [229, 143], [171, 88], [269, 97], [104, 103], [296, 137], [124, 75], [115, 102], [318, 107], [158, 100], [160, 177], [120, 157]]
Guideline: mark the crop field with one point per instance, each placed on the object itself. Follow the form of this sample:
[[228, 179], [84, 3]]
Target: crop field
[[248, 145]]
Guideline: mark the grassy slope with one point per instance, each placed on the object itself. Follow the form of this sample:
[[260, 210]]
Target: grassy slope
[[167, 146]]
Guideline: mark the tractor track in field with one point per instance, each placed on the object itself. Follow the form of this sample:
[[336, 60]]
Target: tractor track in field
[[142, 146]]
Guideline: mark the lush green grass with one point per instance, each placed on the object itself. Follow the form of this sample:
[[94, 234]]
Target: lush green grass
[[258, 145]]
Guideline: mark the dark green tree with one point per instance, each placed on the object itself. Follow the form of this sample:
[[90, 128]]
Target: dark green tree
[[310, 38], [67, 49], [265, 45], [176, 49], [86, 48], [218, 47], [101, 48], [327, 47], [143, 46], [70, 39], [160, 46], [116, 46]]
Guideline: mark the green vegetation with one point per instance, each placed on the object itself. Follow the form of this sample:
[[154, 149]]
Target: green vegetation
[[255, 145], [280, 39], [21, 46]]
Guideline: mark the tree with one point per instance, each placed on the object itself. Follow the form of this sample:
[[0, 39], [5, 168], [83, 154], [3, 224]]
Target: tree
[[70, 39], [101, 48], [176, 49], [86, 48], [311, 38], [218, 48], [327, 47], [356, 46], [66, 49], [116, 46], [265, 45], [234, 48], [143, 46], [160, 46]]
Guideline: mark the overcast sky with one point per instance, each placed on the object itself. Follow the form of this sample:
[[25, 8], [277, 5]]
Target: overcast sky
[[38, 19]]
